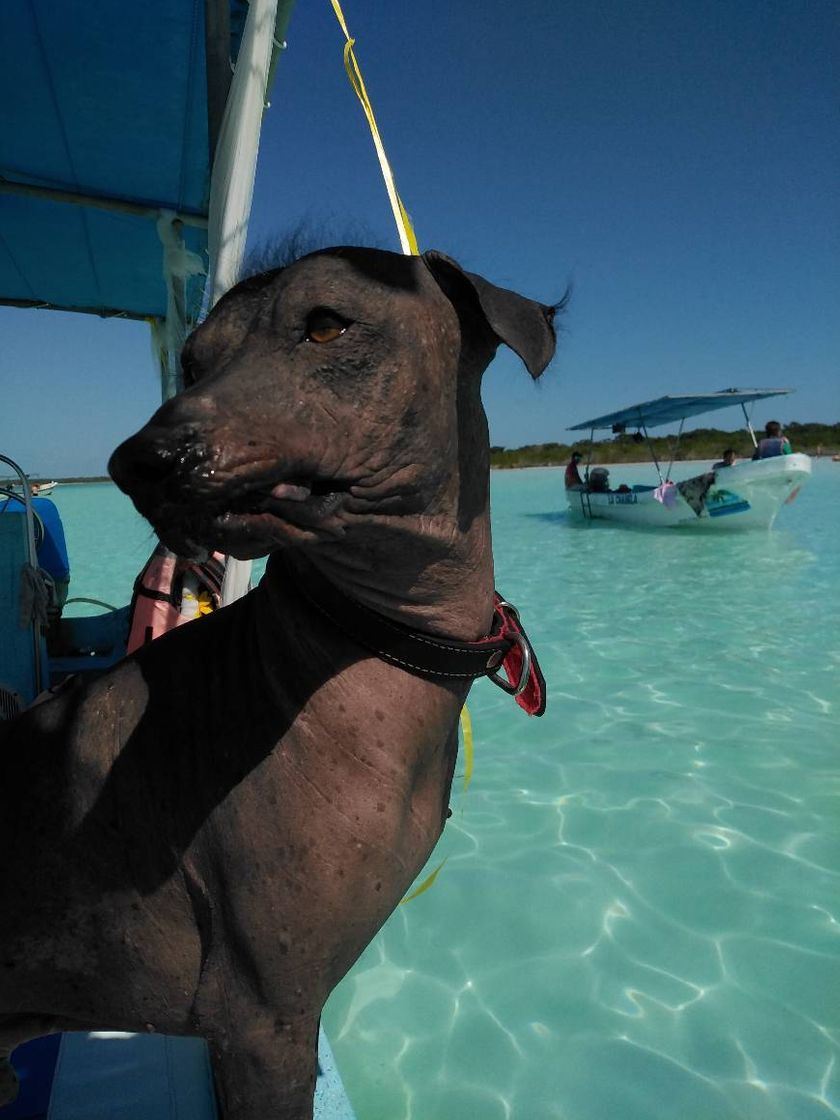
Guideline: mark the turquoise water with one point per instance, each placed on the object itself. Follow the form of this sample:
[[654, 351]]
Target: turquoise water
[[640, 912]]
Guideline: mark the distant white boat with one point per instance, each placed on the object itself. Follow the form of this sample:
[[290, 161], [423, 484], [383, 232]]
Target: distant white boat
[[748, 494], [40, 489]]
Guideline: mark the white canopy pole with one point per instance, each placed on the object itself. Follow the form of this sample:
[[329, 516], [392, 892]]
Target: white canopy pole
[[232, 187], [235, 162]]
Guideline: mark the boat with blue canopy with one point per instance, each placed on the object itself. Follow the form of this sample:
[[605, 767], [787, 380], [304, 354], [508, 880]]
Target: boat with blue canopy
[[125, 189], [746, 494]]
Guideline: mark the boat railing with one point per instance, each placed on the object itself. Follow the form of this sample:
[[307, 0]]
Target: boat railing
[[585, 502], [25, 498]]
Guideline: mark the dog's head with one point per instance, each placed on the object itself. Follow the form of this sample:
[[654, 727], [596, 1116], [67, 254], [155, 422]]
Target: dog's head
[[342, 388]]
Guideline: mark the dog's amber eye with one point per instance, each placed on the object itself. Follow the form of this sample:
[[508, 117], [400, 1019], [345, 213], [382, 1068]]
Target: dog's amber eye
[[324, 326]]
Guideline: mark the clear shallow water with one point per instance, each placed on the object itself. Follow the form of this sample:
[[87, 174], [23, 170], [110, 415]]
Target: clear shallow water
[[108, 543], [640, 912]]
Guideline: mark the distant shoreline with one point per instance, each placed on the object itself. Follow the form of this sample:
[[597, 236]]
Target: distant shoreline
[[594, 463], [697, 445], [85, 478], [829, 455], [826, 453], [41, 480]]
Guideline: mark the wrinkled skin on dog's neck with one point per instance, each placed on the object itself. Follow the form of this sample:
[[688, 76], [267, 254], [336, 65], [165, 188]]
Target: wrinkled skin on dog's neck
[[382, 425]]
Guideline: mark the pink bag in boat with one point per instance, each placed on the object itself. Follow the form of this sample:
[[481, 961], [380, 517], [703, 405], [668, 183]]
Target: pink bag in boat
[[170, 591]]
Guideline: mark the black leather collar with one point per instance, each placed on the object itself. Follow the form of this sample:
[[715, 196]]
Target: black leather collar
[[505, 648]]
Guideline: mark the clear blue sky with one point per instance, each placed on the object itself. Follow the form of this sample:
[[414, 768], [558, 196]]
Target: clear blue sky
[[677, 161]]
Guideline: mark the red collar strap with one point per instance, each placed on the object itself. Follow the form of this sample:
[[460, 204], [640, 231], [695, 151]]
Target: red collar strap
[[505, 648]]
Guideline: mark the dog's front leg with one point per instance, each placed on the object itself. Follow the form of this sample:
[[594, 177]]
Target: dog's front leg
[[265, 1070], [8, 1077]]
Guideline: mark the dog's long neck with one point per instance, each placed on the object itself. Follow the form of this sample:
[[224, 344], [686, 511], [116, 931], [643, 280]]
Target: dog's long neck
[[445, 587], [429, 570], [437, 579]]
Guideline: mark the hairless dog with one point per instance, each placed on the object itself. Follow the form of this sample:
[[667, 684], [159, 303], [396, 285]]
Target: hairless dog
[[203, 840]]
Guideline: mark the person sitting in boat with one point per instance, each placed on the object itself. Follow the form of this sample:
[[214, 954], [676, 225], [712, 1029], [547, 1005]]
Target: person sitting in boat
[[572, 479], [728, 460], [599, 480], [775, 442], [50, 546]]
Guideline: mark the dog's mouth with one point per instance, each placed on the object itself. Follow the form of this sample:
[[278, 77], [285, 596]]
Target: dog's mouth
[[257, 519], [292, 499]]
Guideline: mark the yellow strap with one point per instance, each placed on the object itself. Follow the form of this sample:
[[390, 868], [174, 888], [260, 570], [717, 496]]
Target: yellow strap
[[408, 241], [466, 731], [427, 882]]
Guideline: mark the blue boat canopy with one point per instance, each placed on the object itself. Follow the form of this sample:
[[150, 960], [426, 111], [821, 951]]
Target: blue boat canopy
[[671, 409], [114, 114]]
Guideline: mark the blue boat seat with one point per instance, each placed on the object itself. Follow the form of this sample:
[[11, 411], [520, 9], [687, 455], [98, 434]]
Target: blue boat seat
[[109, 1075], [90, 645]]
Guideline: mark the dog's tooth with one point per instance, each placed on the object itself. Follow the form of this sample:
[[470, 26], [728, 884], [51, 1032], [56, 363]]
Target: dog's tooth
[[290, 492]]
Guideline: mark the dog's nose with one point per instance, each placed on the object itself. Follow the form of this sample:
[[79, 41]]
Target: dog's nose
[[142, 460], [170, 445]]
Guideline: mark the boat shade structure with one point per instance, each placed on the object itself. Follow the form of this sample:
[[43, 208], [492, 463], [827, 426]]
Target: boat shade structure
[[128, 168], [116, 112], [672, 409]]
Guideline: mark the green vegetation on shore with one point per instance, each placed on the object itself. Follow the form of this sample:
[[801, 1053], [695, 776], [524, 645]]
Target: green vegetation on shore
[[701, 443]]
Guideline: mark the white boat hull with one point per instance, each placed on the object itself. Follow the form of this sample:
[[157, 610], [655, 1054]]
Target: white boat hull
[[748, 495]]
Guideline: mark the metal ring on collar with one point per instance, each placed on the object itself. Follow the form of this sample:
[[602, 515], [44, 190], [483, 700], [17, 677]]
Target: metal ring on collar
[[524, 675]]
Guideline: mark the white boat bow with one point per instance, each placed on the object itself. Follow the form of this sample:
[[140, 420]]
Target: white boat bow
[[747, 495]]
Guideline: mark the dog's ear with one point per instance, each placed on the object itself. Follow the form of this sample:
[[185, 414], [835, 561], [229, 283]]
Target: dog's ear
[[522, 324]]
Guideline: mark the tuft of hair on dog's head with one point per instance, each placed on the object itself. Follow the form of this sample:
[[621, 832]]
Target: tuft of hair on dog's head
[[560, 307], [308, 236]]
